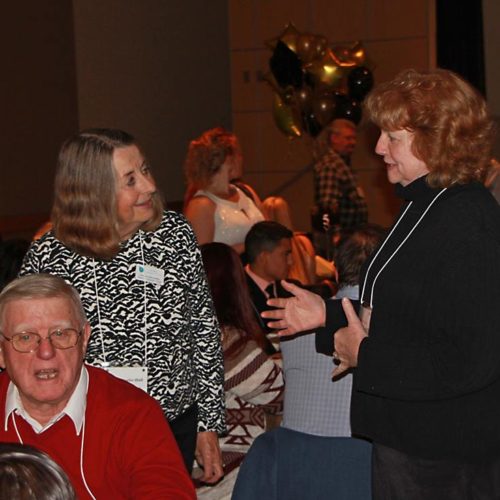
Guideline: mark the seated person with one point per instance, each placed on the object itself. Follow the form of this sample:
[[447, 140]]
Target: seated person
[[305, 260], [110, 437], [29, 474], [218, 209], [253, 381], [314, 404], [314, 451], [268, 247]]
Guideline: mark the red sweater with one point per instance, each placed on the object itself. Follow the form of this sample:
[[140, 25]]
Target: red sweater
[[129, 450]]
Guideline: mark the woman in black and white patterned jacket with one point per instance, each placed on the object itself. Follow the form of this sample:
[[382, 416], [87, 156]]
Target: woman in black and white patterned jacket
[[140, 276]]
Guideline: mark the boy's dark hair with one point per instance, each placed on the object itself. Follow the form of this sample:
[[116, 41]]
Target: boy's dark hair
[[264, 236]]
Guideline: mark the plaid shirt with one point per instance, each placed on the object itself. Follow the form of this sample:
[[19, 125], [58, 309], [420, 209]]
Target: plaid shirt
[[336, 191]]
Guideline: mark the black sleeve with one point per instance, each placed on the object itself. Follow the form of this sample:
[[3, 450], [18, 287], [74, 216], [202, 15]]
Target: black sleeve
[[335, 319]]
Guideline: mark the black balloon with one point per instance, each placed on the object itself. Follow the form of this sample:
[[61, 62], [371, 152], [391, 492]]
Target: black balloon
[[347, 108], [286, 66], [310, 124], [323, 106], [359, 82]]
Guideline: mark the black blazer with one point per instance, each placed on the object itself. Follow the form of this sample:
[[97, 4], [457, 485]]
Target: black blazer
[[259, 299]]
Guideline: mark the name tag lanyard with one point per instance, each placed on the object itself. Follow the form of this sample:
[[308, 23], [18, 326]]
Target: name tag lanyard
[[105, 363], [370, 304]]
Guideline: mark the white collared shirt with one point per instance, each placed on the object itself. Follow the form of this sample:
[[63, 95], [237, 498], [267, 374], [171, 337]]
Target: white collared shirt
[[260, 282], [75, 409]]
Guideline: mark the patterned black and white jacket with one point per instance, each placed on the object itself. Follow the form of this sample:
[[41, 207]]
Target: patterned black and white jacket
[[170, 328]]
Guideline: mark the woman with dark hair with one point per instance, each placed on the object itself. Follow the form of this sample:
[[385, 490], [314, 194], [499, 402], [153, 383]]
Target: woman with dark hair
[[29, 474], [253, 381], [218, 208], [138, 270], [427, 378]]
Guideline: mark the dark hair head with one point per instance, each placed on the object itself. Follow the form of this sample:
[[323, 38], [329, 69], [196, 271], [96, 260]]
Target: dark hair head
[[230, 294], [264, 236], [354, 248], [84, 213], [448, 117], [29, 474]]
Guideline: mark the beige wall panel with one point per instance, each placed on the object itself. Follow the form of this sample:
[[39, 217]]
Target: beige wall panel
[[340, 21], [249, 92], [39, 104], [241, 24], [243, 81], [274, 15], [158, 69], [391, 56], [299, 196], [253, 22], [396, 19], [266, 149]]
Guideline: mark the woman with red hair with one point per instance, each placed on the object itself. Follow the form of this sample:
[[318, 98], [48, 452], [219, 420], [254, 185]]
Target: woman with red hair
[[425, 348]]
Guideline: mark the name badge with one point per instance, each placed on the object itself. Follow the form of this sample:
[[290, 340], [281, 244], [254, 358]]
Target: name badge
[[149, 274], [136, 375]]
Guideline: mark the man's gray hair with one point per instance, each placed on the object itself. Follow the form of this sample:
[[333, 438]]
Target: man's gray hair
[[41, 286], [340, 123]]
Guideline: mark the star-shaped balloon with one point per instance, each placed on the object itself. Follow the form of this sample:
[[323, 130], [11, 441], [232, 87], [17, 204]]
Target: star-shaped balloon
[[288, 36], [326, 70]]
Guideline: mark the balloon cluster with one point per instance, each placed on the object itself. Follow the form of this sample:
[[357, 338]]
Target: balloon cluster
[[315, 84]]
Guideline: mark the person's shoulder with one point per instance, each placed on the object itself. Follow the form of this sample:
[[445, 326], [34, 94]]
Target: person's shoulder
[[116, 394], [172, 223], [470, 208], [200, 201], [47, 241], [471, 197]]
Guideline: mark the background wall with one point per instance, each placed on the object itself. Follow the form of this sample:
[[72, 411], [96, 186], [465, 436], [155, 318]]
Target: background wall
[[168, 70], [491, 15], [39, 106], [396, 34], [156, 68]]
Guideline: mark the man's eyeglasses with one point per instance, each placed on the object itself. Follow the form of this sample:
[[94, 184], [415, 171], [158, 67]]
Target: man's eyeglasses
[[62, 338]]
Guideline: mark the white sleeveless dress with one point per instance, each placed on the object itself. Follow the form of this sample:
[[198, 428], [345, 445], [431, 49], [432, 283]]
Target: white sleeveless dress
[[233, 220]]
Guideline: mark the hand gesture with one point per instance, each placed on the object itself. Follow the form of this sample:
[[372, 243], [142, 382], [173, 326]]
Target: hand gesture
[[209, 457], [347, 340], [304, 311]]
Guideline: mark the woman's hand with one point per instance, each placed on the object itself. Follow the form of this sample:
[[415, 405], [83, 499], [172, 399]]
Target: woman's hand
[[209, 457], [304, 311], [347, 340]]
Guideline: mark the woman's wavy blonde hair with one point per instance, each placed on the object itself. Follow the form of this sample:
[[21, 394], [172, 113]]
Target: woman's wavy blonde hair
[[84, 213], [452, 129]]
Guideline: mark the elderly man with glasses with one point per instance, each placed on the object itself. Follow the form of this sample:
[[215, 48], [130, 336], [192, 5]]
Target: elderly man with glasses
[[110, 437]]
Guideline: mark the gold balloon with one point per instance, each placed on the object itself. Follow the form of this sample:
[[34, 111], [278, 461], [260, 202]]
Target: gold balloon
[[320, 46], [286, 118], [305, 47], [358, 53], [326, 70], [303, 97], [288, 36], [323, 106], [350, 56]]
